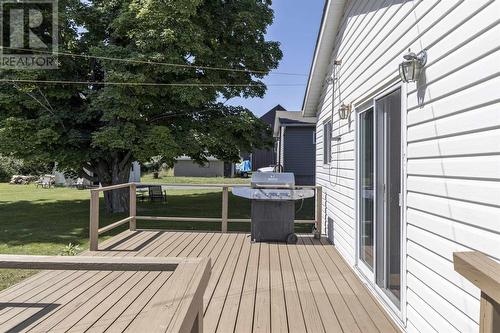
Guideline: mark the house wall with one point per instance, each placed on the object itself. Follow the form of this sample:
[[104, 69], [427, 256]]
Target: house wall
[[187, 168], [453, 143], [262, 158], [299, 154]]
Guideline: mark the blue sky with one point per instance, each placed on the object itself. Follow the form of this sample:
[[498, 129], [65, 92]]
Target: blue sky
[[295, 26]]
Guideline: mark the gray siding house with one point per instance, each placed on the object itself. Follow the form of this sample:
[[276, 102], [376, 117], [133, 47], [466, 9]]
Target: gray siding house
[[295, 137], [266, 157]]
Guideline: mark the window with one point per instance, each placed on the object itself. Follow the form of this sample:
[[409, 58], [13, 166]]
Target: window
[[314, 137], [327, 142]]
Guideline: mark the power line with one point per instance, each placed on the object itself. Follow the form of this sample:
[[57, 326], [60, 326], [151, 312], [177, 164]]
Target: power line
[[153, 83], [137, 61]]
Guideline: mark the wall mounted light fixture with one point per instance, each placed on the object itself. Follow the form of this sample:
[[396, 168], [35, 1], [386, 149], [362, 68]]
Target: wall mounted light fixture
[[411, 68], [333, 77], [345, 111]]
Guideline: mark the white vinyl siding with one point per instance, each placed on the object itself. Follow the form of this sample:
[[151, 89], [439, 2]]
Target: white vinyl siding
[[453, 142]]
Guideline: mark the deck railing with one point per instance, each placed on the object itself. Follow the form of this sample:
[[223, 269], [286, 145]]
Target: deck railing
[[484, 273], [132, 219]]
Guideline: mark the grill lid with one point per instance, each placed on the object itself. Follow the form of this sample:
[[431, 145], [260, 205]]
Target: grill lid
[[273, 180], [272, 194]]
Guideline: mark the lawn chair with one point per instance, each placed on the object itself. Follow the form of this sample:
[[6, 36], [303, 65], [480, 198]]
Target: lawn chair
[[80, 184], [156, 193], [47, 181]]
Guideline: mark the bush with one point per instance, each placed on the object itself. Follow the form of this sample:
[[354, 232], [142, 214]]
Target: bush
[[10, 166]]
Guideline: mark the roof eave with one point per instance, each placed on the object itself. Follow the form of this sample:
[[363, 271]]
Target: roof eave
[[332, 16]]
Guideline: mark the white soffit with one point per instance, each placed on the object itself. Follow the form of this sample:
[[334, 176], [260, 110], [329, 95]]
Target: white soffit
[[332, 16]]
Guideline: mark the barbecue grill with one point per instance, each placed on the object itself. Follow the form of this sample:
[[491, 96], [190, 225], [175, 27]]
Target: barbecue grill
[[273, 198]]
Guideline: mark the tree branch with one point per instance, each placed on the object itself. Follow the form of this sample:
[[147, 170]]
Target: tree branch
[[125, 160], [83, 174]]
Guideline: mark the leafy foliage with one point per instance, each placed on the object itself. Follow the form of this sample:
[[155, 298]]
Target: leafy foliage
[[71, 250], [10, 166], [103, 128]]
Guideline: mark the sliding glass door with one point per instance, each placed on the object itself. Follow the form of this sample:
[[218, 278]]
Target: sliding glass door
[[379, 193], [366, 190]]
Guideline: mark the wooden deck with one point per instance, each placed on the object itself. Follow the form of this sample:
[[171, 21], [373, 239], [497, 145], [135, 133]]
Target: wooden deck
[[254, 287]]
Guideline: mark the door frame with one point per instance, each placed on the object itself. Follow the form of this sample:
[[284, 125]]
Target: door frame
[[369, 276]]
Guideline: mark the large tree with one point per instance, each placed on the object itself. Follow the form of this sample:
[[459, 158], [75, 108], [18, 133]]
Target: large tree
[[102, 127]]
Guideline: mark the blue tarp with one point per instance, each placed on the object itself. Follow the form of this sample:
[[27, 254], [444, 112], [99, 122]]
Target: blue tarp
[[245, 166]]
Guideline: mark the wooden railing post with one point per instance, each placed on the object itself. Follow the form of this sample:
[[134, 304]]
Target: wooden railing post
[[489, 315], [484, 273], [225, 199], [318, 217], [133, 207], [94, 220]]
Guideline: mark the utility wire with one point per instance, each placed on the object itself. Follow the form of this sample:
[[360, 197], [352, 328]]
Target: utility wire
[[137, 61], [153, 83]]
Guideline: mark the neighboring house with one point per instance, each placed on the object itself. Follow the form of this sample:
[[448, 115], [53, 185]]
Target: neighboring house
[[264, 157], [414, 173], [295, 137], [187, 167]]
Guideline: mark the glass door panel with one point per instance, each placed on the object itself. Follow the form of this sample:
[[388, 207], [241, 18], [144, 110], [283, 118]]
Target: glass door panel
[[388, 192], [366, 191]]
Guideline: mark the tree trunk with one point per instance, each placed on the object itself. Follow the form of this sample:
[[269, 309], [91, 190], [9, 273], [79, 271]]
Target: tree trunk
[[114, 172]]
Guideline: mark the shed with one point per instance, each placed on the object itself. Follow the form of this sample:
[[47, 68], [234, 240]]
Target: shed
[[185, 166]]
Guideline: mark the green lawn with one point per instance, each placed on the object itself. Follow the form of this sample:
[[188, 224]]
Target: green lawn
[[45, 221]]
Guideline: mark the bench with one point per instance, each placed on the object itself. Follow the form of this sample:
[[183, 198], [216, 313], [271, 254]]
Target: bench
[[164, 294]]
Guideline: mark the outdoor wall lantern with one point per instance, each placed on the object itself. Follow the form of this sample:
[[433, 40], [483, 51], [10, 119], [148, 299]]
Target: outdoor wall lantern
[[410, 69], [345, 111]]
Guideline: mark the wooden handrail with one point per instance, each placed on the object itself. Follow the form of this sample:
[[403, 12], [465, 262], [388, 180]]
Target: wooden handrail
[[153, 264], [126, 185], [484, 273], [95, 231], [205, 185], [115, 225], [112, 187]]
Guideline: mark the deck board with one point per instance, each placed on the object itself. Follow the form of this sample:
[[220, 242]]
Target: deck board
[[339, 306], [244, 320], [309, 308], [254, 287], [325, 309], [377, 315], [279, 322], [229, 313], [219, 295], [363, 318], [262, 313], [294, 312]]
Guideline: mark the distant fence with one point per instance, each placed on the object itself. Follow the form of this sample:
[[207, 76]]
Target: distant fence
[[132, 219]]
